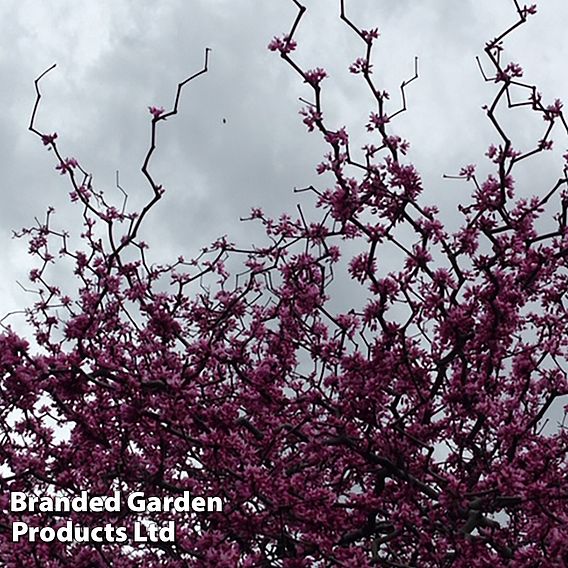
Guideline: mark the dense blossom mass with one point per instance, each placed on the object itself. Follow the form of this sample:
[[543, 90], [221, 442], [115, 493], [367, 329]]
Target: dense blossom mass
[[421, 428]]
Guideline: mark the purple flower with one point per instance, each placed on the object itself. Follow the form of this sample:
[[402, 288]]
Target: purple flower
[[360, 65], [370, 35], [283, 44], [468, 171], [48, 138], [67, 165], [315, 76], [156, 112]]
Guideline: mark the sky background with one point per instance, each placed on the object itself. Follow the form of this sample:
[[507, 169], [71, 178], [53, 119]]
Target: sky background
[[114, 58]]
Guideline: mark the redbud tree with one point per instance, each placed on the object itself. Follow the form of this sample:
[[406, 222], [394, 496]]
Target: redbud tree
[[408, 432]]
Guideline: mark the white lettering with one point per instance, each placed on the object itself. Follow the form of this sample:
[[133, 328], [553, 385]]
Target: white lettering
[[214, 504], [18, 502], [198, 504], [47, 534], [96, 505], [18, 529], [112, 504], [138, 536], [136, 502]]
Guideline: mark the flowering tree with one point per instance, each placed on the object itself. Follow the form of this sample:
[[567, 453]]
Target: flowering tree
[[407, 433]]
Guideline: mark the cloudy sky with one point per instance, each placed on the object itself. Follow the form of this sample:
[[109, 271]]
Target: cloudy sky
[[116, 57]]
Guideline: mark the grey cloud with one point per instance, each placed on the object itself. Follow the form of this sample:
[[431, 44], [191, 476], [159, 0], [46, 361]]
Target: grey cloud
[[115, 59]]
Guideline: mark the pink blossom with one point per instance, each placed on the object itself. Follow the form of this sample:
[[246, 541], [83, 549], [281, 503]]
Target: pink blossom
[[370, 35], [156, 112], [311, 117], [554, 110], [284, 44], [48, 138], [361, 65], [315, 76], [512, 70], [340, 137], [397, 143], [375, 121], [67, 165], [469, 171]]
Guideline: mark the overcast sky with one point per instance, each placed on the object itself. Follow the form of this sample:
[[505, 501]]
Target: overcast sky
[[116, 57]]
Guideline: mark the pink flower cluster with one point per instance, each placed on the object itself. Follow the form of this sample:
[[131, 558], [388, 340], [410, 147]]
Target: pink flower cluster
[[282, 44], [156, 112], [67, 165], [315, 76]]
